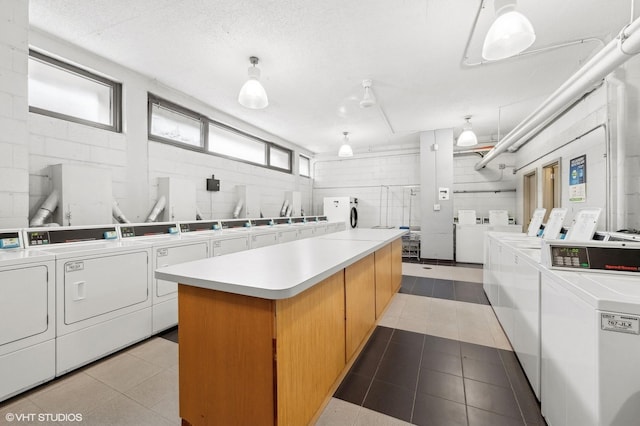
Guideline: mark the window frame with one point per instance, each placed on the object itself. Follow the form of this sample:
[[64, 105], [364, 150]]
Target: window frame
[[153, 99], [300, 156], [116, 88], [205, 122]]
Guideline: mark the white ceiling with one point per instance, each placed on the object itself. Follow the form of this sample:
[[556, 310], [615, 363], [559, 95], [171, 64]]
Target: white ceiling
[[314, 55]]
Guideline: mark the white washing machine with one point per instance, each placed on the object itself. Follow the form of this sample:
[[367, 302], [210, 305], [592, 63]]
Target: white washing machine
[[27, 316], [590, 335], [342, 209], [168, 248], [103, 291]]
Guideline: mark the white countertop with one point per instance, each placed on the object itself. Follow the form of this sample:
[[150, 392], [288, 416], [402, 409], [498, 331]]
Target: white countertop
[[366, 234], [279, 271]]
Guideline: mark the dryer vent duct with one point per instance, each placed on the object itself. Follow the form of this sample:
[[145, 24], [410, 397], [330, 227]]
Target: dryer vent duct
[[46, 209], [157, 209], [117, 213]]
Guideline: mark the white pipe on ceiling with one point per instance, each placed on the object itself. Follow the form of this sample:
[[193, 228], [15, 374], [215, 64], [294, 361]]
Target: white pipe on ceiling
[[614, 54]]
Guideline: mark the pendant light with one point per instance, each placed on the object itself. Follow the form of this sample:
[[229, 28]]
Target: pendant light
[[368, 100], [467, 137], [252, 94], [510, 33], [345, 150]]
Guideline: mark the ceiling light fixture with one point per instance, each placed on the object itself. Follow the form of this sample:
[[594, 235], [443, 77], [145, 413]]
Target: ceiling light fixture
[[511, 32], [252, 94], [467, 137], [345, 149], [368, 100]]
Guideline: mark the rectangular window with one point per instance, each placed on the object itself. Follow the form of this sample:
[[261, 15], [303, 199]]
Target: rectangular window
[[174, 124], [236, 145], [279, 158], [304, 166], [64, 91]]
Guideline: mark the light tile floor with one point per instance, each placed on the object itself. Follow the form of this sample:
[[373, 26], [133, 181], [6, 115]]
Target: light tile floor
[[139, 385]]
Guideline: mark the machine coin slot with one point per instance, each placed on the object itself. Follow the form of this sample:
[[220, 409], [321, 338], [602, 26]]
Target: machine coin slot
[[163, 252], [7, 243]]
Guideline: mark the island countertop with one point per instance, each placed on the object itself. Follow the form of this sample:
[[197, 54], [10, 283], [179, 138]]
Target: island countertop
[[283, 270]]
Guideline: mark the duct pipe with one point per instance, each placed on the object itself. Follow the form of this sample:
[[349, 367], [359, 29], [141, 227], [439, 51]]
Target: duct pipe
[[198, 214], [157, 209], [236, 211], [283, 209], [614, 54], [621, 150], [117, 213], [46, 209]]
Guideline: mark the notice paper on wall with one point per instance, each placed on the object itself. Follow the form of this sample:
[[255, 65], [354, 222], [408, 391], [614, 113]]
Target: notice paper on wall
[[578, 179]]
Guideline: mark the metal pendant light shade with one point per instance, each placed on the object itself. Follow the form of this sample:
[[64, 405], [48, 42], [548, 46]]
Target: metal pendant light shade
[[510, 34], [467, 137], [252, 94], [345, 149]]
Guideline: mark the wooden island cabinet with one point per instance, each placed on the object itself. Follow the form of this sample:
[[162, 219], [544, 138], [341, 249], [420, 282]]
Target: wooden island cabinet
[[266, 335]]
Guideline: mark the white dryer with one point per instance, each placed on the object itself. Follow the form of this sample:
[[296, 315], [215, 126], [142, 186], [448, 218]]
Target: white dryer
[[286, 232], [103, 291], [234, 237], [305, 229], [168, 248], [342, 209], [27, 313], [263, 233]]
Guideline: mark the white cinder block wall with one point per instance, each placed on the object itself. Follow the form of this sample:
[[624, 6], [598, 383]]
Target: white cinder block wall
[[581, 130], [490, 188], [14, 160], [632, 158], [381, 182], [135, 162]]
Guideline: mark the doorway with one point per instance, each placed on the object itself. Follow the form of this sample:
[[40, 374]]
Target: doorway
[[530, 197], [551, 187]]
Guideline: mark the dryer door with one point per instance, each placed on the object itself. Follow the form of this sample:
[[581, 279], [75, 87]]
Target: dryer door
[[100, 285], [23, 303]]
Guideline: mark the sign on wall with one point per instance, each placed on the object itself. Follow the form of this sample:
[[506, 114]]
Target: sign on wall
[[578, 179]]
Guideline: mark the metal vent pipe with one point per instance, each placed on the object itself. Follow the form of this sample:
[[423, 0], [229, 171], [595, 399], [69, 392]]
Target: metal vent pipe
[[614, 54]]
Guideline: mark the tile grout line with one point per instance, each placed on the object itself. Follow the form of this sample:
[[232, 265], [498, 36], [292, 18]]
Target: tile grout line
[[415, 392]]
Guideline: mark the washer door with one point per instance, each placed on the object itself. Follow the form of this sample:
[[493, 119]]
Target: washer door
[[354, 217]]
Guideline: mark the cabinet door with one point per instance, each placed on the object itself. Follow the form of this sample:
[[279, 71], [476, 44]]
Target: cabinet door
[[396, 264], [360, 302], [383, 278]]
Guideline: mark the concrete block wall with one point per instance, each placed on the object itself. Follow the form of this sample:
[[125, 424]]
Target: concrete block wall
[[557, 141], [14, 158], [134, 161], [381, 182], [485, 189]]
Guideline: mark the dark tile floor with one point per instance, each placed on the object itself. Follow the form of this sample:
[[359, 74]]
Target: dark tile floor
[[444, 289], [170, 334], [429, 380]]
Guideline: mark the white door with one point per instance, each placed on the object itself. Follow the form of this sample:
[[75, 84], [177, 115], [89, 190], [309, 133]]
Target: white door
[[23, 303], [100, 285], [263, 240], [230, 245], [167, 256]]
